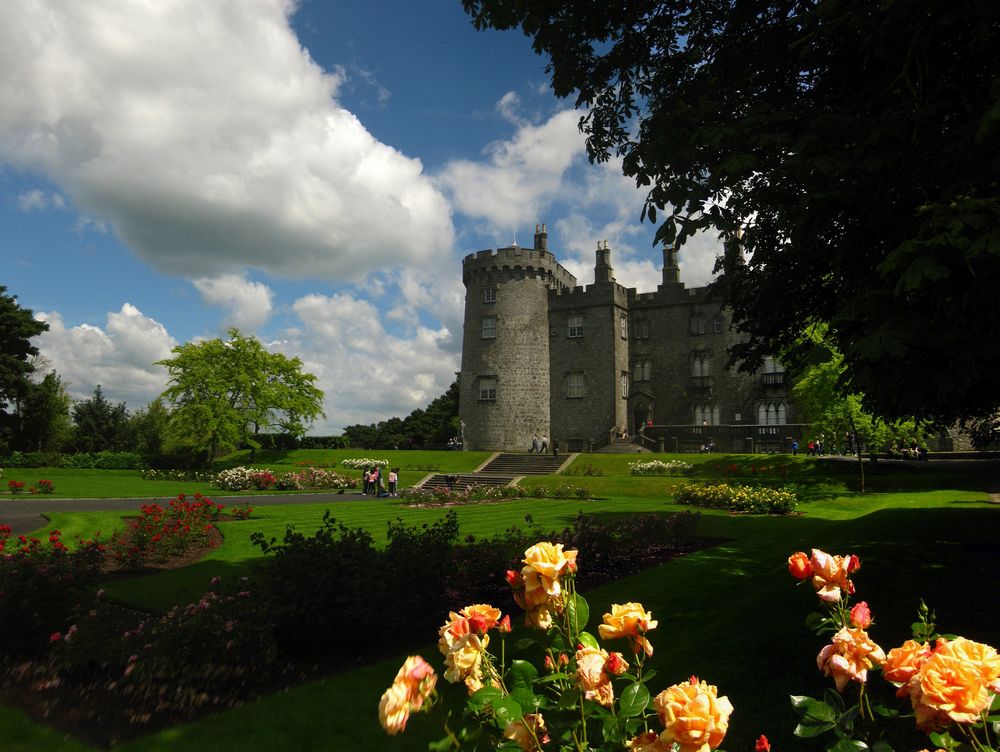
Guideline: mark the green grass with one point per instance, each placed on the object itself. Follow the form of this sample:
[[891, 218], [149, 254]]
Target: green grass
[[730, 614]]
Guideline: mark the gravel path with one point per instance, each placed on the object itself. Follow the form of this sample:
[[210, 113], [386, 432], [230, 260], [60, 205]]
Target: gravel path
[[27, 514]]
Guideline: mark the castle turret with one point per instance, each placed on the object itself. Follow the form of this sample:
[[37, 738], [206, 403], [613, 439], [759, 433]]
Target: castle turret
[[541, 239], [504, 395]]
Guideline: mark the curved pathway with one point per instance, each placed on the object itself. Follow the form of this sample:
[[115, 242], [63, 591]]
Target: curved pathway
[[27, 514]]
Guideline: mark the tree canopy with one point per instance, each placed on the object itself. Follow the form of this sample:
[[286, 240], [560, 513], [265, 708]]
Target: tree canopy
[[223, 392], [434, 425], [17, 326], [851, 147]]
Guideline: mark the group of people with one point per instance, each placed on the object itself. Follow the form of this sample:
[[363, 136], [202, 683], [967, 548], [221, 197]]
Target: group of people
[[541, 445], [372, 482]]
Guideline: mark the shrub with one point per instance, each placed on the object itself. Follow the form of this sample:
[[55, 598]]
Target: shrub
[[40, 584], [241, 512], [15, 486], [747, 499], [362, 463], [104, 461], [236, 478], [175, 475], [45, 487], [262, 480], [159, 533]]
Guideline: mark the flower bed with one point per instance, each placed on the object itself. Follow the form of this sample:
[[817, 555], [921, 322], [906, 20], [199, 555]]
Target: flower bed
[[362, 463], [746, 499], [159, 533], [262, 479], [657, 467]]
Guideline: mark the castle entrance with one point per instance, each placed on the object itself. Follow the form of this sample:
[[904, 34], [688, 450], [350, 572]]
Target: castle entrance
[[641, 414]]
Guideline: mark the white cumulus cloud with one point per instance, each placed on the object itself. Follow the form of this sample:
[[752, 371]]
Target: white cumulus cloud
[[120, 357], [206, 136], [248, 303]]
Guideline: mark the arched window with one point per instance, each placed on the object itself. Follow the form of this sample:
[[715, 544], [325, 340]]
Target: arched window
[[697, 323], [701, 363], [705, 414], [771, 413]]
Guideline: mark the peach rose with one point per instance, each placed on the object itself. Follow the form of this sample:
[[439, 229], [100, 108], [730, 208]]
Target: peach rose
[[549, 562], [464, 657], [947, 689], [628, 620], [647, 742], [394, 709], [592, 676], [693, 716], [538, 618], [482, 617], [830, 574], [419, 679], [528, 732], [616, 665], [456, 627], [799, 566], [849, 656], [902, 664]]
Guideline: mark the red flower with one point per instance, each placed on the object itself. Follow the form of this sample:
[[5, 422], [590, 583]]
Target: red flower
[[762, 745], [861, 615]]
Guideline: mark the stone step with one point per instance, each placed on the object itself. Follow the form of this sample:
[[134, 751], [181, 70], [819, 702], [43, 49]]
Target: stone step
[[465, 480]]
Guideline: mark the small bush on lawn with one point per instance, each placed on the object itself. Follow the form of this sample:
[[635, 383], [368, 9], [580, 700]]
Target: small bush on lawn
[[747, 499], [363, 463], [40, 585], [178, 475], [104, 461]]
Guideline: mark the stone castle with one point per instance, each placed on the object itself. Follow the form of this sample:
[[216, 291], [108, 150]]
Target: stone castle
[[543, 355]]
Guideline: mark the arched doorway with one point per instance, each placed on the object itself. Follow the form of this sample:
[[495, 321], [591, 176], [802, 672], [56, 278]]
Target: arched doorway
[[641, 414]]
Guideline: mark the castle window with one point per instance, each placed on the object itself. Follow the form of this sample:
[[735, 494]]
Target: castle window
[[701, 363], [624, 384], [717, 325], [706, 415], [623, 320], [642, 370], [640, 328], [575, 326], [489, 327], [697, 324], [575, 385], [771, 413], [773, 365], [489, 295], [487, 387]]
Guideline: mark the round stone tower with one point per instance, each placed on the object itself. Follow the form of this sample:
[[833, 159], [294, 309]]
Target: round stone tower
[[504, 396]]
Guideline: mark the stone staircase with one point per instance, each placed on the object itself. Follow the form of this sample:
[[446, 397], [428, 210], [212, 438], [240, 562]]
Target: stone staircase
[[516, 464], [630, 445], [463, 480]]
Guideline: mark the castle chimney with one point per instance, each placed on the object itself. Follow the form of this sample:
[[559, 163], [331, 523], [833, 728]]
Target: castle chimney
[[671, 271], [602, 270], [541, 239]]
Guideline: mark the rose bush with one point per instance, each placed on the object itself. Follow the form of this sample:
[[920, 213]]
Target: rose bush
[[583, 698], [952, 683]]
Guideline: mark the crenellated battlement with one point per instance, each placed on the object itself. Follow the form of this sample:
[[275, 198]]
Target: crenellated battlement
[[516, 262]]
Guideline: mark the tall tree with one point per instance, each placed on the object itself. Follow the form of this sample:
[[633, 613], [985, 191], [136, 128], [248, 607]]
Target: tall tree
[[223, 392], [148, 427], [45, 424], [852, 146], [17, 327], [100, 425]]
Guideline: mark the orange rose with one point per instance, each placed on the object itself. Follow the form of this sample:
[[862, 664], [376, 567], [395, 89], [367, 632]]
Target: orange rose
[[849, 656], [616, 665], [628, 620], [593, 677], [983, 657], [693, 716], [528, 732], [902, 664], [947, 689], [549, 562], [798, 565], [453, 629]]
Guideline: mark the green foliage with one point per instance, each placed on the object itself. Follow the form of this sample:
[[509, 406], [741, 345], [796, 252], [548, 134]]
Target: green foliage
[[44, 424], [99, 425], [17, 327], [848, 149], [435, 425], [224, 392]]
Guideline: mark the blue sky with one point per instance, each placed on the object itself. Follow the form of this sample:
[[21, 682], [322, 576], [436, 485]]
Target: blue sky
[[311, 173]]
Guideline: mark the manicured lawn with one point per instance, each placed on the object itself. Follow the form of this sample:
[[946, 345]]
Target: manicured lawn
[[730, 614]]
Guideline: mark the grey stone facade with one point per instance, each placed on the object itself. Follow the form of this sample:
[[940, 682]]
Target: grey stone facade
[[543, 355]]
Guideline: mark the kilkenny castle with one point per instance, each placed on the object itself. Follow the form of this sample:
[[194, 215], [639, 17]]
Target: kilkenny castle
[[542, 354]]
